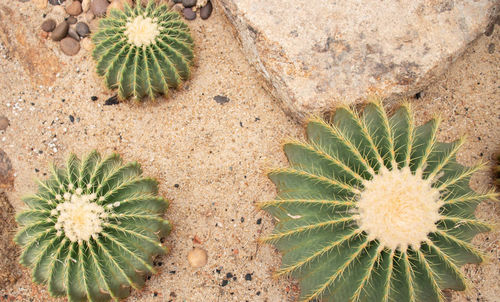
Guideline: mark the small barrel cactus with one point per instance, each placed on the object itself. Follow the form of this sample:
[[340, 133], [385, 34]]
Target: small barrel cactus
[[92, 229], [142, 51], [374, 209]]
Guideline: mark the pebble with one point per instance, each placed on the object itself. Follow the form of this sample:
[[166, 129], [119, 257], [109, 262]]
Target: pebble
[[248, 277], [197, 257], [116, 4], [60, 31], [70, 46], [188, 13], [178, 8], [74, 9], [48, 25], [87, 44], [99, 7], [85, 5], [177, 1], [71, 20], [56, 2], [82, 29], [89, 16], [221, 99], [111, 101], [189, 3], [4, 122], [73, 34], [206, 11]]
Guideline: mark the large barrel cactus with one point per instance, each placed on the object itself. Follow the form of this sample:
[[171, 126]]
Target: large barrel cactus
[[142, 51], [91, 230], [374, 209]]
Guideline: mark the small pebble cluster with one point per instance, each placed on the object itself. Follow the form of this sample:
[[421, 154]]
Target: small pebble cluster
[[80, 19], [190, 7]]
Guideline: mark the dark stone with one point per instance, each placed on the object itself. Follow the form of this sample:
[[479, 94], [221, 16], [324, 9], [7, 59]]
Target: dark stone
[[177, 1], [259, 221], [206, 10], [48, 25], [71, 118], [248, 277], [73, 34], [224, 283], [56, 2], [94, 98], [60, 31], [82, 29], [112, 101], [189, 3], [221, 99], [491, 48], [188, 13]]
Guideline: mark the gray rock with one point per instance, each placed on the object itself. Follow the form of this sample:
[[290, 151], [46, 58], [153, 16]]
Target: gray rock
[[74, 9], [317, 54], [4, 123], [188, 13], [56, 2], [70, 46], [99, 7], [206, 11], [48, 25], [60, 31], [73, 34], [82, 29], [189, 3]]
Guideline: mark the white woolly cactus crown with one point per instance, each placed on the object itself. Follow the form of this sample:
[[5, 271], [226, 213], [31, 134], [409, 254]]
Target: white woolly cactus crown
[[92, 229], [374, 208]]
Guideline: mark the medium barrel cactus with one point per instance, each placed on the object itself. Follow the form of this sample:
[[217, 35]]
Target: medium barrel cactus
[[142, 51], [374, 209], [92, 229]]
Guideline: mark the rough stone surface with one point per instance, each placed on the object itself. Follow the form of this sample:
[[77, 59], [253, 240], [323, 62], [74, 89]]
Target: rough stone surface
[[10, 271], [316, 54]]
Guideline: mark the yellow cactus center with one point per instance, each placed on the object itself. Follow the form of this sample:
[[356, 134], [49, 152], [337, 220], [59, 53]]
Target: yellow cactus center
[[79, 217], [142, 31], [399, 208]]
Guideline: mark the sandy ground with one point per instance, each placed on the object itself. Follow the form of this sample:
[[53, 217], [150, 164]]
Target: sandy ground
[[210, 158]]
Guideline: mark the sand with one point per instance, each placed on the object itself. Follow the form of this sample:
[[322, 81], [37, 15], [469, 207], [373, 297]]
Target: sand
[[210, 158]]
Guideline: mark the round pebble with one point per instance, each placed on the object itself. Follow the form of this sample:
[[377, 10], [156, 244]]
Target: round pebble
[[73, 34], [85, 5], [188, 13], [82, 29], [48, 25], [71, 20], [99, 7], [178, 7], [87, 44], [60, 31], [197, 257], [70, 46], [189, 3], [4, 122], [74, 9], [206, 10]]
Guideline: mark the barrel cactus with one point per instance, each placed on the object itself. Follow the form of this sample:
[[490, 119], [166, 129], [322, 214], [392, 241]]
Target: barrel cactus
[[91, 230], [374, 208], [142, 51]]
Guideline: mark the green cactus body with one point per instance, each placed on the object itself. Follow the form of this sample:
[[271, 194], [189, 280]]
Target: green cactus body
[[91, 230], [142, 51], [374, 209]]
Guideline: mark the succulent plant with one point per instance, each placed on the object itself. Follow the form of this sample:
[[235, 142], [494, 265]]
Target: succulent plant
[[91, 230], [142, 51], [374, 208]]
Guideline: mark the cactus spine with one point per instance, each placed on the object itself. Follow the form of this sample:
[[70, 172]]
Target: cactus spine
[[142, 51], [91, 230], [374, 208]]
